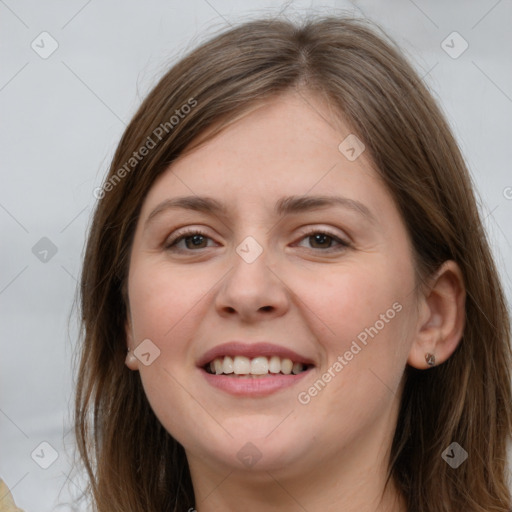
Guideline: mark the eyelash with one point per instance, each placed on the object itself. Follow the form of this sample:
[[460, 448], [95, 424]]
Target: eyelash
[[171, 245]]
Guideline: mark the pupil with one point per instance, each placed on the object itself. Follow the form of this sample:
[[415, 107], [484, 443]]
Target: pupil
[[196, 239], [320, 238]]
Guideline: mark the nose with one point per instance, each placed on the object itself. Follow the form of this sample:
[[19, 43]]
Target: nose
[[252, 291]]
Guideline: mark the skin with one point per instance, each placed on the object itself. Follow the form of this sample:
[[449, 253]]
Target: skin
[[312, 296]]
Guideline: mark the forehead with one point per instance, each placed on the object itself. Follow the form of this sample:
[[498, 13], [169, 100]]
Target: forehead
[[289, 145]]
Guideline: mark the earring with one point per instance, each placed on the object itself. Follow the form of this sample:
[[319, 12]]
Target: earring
[[430, 358], [130, 358]]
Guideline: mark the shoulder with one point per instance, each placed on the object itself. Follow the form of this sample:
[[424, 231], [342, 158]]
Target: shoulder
[[6, 501]]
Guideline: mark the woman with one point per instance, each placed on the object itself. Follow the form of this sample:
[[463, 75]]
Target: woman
[[288, 298]]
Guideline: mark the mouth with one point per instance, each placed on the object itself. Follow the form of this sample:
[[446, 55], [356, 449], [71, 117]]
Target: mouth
[[253, 369]]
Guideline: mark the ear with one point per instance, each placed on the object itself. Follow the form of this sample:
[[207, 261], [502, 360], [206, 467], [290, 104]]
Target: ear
[[131, 361], [441, 317]]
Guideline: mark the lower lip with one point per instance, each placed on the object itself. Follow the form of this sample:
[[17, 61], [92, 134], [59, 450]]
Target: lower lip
[[253, 386]]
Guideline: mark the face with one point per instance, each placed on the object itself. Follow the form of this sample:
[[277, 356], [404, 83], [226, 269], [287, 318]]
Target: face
[[283, 277]]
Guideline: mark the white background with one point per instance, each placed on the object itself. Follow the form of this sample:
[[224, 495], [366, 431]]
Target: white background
[[63, 116]]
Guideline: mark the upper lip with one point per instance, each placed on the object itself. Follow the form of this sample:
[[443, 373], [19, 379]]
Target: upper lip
[[251, 350]]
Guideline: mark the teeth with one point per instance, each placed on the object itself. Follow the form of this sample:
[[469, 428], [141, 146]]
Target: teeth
[[274, 364], [297, 368], [227, 365], [241, 365], [259, 366], [286, 366]]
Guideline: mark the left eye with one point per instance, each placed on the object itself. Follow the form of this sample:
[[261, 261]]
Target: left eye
[[197, 240], [321, 238]]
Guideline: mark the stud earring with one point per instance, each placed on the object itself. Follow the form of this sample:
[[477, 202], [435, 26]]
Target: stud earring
[[430, 358], [131, 359]]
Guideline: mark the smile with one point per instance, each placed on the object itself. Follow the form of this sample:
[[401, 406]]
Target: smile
[[254, 369], [256, 366]]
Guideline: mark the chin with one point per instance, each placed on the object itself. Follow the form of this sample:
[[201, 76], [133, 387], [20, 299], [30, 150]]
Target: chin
[[257, 444]]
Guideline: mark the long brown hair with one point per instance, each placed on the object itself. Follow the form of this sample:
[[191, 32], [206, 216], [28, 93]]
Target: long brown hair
[[133, 464]]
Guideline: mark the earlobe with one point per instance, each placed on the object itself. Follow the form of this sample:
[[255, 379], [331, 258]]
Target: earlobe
[[441, 320], [131, 360]]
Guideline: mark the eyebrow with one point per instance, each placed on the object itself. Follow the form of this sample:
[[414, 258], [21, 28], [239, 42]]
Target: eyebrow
[[284, 206]]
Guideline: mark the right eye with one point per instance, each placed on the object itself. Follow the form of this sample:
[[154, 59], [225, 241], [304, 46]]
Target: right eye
[[192, 238]]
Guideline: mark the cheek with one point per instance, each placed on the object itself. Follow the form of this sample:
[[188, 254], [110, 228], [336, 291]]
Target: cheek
[[366, 351], [366, 344], [364, 316], [344, 302], [161, 300], [163, 310]]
